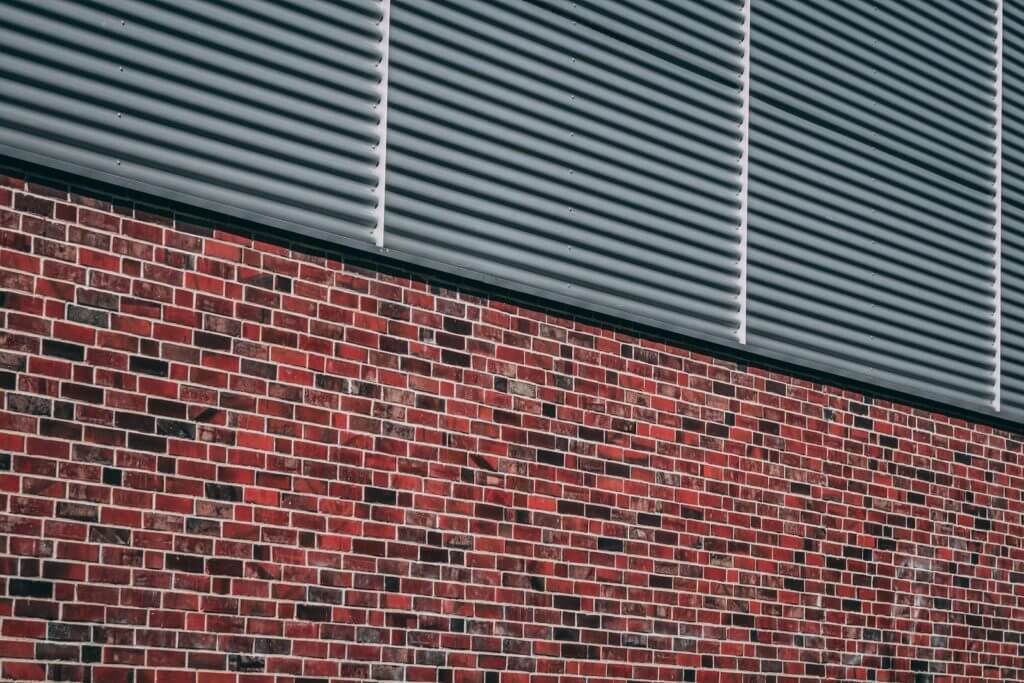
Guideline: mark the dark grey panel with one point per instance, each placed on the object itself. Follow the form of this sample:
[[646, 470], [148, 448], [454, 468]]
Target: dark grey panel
[[872, 180], [1013, 208], [255, 108], [589, 150]]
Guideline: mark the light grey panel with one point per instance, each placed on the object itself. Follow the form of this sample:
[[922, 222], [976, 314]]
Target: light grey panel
[[1013, 209], [261, 109], [872, 180], [584, 150]]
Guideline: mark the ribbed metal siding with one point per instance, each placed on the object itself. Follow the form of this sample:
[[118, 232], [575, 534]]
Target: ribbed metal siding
[[1013, 208], [256, 108], [872, 171], [588, 150]]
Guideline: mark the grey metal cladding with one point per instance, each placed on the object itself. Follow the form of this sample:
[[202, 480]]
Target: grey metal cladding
[[260, 109], [871, 197], [1012, 400], [588, 150]]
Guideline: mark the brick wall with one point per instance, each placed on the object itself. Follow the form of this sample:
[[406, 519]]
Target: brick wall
[[224, 458]]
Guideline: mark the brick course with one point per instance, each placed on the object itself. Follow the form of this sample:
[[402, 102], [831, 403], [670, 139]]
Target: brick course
[[228, 458]]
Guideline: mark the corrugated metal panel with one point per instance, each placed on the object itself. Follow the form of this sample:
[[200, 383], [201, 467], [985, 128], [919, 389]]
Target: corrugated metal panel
[[1013, 209], [872, 177], [588, 150], [256, 108]]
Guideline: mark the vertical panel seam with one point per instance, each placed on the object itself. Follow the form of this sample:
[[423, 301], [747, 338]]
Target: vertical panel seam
[[998, 261], [382, 124], [744, 172]]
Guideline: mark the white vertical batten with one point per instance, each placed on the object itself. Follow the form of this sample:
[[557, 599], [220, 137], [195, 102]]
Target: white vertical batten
[[998, 261], [744, 170], [382, 124]]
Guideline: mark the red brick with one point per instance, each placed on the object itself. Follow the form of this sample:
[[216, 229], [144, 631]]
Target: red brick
[[349, 474]]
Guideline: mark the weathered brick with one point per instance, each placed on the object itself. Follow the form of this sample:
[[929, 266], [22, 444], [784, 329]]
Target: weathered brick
[[246, 663], [32, 204], [33, 405], [60, 349], [29, 588], [184, 563], [149, 366]]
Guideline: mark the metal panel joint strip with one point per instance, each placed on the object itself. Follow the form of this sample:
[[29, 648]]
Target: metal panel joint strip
[[998, 260], [744, 173], [382, 124]]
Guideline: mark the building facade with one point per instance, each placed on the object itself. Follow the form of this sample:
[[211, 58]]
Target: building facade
[[510, 342]]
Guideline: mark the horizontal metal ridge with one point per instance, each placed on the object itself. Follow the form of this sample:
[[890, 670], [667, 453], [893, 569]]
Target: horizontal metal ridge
[[251, 108], [544, 144], [872, 242]]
